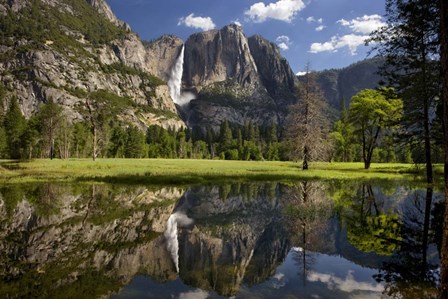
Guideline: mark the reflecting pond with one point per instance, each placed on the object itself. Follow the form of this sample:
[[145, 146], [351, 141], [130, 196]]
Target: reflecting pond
[[309, 239]]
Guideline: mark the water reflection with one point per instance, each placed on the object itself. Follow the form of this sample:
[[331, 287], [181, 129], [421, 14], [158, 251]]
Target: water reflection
[[308, 239]]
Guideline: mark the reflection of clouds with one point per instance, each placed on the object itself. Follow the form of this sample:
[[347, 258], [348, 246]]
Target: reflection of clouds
[[278, 280], [297, 249], [196, 294], [349, 284], [364, 296]]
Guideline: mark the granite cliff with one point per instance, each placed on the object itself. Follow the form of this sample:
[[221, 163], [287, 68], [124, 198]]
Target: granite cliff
[[67, 50], [235, 78]]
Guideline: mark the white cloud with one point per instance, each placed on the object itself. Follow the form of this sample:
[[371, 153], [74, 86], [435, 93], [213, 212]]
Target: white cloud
[[237, 22], [352, 41], [364, 25], [204, 23], [282, 10], [360, 26], [301, 74], [283, 42], [310, 19], [283, 46], [313, 20], [196, 294], [349, 284], [320, 28]]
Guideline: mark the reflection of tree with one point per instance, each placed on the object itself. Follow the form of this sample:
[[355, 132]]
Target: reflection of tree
[[411, 273], [307, 210], [369, 229]]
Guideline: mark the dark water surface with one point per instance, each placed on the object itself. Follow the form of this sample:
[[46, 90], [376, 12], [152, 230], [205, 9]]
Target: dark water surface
[[262, 240]]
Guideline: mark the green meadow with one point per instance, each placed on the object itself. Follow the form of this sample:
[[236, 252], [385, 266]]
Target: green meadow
[[190, 171]]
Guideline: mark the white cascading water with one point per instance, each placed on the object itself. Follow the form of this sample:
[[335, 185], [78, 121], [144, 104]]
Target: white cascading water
[[170, 234], [175, 82], [172, 241]]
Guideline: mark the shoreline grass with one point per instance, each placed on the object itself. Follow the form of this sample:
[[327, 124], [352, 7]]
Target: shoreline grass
[[191, 171]]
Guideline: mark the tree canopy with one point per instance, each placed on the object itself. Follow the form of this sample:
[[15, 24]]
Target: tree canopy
[[371, 111]]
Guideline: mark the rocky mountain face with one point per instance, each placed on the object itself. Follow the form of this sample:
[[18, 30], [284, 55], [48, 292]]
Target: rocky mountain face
[[235, 78], [339, 84], [98, 233], [238, 237], [66, 50]]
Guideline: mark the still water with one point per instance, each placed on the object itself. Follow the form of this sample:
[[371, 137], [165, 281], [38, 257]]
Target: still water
[[309, 239]]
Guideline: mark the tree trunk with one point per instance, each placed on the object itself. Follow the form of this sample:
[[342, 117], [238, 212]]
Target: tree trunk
[[305, 158], [94, 144], [428, 204], [443, 10], [428, 159]]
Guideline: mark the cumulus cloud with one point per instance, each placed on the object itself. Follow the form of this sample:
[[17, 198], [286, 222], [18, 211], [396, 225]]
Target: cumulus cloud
[[310, 19], [361, 27], [352, 41], [349, 284], [300, 73], [203, 23], [283, 42], [314, 20], [364, 25], [282, 10], [320, 28]]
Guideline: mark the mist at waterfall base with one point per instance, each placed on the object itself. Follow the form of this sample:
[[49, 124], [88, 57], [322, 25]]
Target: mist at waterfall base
[[175, 82], [170, 234]]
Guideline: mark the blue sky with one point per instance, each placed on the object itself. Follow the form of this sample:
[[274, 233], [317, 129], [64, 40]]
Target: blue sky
[[325, 33]]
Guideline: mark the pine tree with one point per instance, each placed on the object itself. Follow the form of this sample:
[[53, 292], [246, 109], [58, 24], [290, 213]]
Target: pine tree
[[50, 116], [443, 11], [410, 41], [135, 143], [15, 125], [80, 139]]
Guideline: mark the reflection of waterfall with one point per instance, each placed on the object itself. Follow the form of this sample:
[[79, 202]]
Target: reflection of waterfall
[[171, 235], [175, 82]]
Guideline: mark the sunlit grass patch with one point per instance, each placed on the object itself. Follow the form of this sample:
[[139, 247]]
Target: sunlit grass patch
[[190, 171]]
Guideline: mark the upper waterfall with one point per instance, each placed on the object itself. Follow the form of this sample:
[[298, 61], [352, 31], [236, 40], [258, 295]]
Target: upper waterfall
[[175, 81]]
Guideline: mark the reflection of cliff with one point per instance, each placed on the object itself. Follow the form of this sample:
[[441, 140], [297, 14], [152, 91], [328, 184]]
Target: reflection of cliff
[[60, 237], [237, 237]]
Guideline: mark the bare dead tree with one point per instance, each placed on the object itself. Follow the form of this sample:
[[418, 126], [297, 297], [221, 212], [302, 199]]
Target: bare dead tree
[[307, 123]]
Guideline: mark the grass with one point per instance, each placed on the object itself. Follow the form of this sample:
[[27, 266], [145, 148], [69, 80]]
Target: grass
[[190, 171]]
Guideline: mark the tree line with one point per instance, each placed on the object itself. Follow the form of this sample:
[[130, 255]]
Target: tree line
[[367, 131]]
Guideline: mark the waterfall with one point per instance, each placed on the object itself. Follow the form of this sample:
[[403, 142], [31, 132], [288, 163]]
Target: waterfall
[[172, 241], [175, 82], [170, 234]]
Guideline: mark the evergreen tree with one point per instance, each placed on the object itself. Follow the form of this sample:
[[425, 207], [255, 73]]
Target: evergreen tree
[[135, 143], [15, 125], [117, 143], [272, 133], [443, 13], [410, 42], [80, 139], [3, 143], [225, 137], [31, 137], [50, 115]]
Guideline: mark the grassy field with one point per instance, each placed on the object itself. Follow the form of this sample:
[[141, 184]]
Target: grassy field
[[180, 171]]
